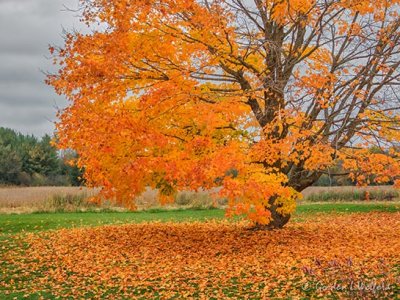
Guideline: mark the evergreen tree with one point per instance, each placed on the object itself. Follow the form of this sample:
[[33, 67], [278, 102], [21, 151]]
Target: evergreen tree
[[10, 165], [27, 160]]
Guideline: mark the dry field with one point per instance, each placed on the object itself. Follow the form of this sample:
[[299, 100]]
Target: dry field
[[324, 189], [32, 199]]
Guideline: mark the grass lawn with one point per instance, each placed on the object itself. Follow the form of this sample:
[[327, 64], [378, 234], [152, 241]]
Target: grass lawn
[[14, 223], [36, 226]]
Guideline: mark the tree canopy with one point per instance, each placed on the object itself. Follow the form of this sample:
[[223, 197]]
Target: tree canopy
[[176, 94], [27, 160]]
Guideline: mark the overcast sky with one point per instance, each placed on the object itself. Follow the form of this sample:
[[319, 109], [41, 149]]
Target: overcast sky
[[27, 27]]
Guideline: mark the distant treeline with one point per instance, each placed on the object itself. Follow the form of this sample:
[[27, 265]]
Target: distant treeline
[[29, 161]]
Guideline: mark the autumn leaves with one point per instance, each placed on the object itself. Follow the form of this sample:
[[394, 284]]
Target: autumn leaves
[[214, 259], [174, 94]]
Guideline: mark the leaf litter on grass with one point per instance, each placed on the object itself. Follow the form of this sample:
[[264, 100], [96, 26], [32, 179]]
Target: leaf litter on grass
[[340, 256]]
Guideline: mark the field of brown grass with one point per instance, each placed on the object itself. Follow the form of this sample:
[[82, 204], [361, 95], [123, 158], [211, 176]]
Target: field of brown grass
[[324, 189], [31, 199]]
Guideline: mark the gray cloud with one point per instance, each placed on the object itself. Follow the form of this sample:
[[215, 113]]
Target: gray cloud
[[27, 27]]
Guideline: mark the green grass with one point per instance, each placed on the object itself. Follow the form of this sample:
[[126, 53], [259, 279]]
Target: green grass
[[15, 223], [310, 208]]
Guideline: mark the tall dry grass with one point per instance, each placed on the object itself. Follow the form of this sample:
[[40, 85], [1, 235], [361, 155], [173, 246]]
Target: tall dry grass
[[34, 199], [31, 199], [50, 199], [350, 193]]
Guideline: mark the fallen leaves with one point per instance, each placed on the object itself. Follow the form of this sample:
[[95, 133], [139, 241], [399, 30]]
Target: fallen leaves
[[325, 256]]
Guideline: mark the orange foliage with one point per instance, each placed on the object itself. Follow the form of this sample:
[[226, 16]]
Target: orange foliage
[[178, 94], [215, 259]]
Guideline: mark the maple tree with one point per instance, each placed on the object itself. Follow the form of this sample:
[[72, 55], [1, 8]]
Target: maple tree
[[257, 97]]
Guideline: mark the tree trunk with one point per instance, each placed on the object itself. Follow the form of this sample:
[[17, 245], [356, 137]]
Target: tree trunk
[[301, 180], [277, 220]]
